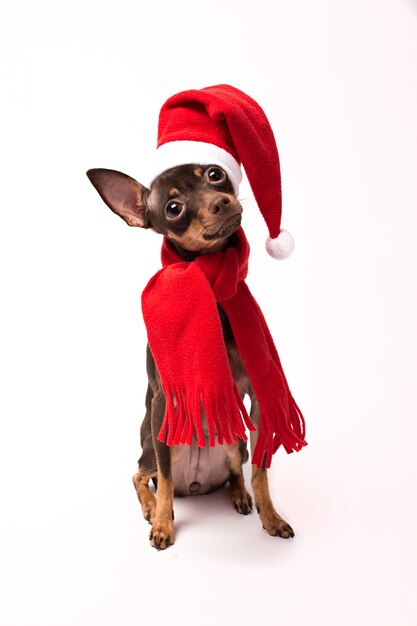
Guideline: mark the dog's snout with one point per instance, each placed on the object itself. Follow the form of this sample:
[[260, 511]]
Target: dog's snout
[[219, 204]]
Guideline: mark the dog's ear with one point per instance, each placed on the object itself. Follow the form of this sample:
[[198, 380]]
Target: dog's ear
[[123, 194]]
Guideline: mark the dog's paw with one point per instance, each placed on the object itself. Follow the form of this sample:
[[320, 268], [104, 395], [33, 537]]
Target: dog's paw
[[242, 501], [146, 498], [275, 525], [162, 535], [149, 509]]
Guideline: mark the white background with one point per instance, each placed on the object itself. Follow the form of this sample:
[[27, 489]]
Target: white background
[[81, 86]]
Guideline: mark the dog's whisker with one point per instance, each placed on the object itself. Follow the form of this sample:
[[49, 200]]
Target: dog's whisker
[[245, 200]]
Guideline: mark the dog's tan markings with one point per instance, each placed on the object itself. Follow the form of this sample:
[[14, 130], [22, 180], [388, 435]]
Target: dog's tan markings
[[146, 497], [198, 171], [191, 239], [162, 532], [173, 193], [273, 523], [240, 498]]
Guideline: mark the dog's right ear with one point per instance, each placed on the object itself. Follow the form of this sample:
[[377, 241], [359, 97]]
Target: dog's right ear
[[123, 194]]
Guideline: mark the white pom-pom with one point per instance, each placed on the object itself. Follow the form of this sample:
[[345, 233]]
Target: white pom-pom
[[282, 246]]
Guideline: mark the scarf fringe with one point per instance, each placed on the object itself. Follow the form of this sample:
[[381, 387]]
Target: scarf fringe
[[284, 426], [186, 410]]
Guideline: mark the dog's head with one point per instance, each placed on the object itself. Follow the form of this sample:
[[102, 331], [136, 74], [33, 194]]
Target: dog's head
[[193, 205]]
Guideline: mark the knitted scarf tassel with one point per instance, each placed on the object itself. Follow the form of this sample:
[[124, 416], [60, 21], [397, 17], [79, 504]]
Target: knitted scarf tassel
[[188, 409], [185, 336], [281, 421]]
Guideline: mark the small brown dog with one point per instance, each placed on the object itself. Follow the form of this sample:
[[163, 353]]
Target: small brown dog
[[196, 208]]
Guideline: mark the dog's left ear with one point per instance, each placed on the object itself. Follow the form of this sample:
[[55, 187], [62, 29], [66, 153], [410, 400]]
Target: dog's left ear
[[123, 194]]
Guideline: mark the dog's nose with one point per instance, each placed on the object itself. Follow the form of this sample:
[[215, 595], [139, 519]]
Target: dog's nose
[[219, 204]]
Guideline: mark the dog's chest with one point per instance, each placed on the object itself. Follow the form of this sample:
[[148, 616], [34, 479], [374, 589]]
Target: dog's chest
[[198, 470]]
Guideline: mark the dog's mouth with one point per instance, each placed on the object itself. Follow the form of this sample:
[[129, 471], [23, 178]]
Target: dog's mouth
[[228, 227]]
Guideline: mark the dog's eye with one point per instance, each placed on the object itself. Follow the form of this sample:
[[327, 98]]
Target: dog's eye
[[216, 175], [173, 209]]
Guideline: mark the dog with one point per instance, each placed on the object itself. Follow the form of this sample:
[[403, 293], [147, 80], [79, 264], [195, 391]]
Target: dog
[[196, 209]]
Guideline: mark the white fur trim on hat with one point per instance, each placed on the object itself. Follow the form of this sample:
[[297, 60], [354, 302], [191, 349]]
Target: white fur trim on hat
[[282, 246], [182, 152]]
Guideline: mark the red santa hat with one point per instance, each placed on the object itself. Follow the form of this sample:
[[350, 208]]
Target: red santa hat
[[223, 126]]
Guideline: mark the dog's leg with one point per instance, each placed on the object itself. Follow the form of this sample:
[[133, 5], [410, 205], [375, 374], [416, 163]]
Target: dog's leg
[[273, 523], [162, 532], [147, 463], [240, 497], [145, 495]]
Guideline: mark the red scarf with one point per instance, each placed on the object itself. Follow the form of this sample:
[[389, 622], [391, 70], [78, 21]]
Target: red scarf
[[186, 340]]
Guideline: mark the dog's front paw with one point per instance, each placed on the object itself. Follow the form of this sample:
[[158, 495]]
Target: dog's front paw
[[275, 525], [162, 535], [149, 509], [242, 501]]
